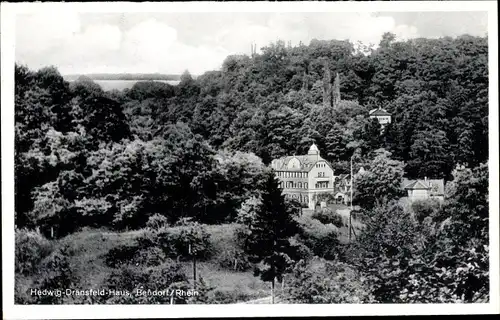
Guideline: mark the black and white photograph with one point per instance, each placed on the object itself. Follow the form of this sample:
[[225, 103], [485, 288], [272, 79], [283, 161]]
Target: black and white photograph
[[341, 155]]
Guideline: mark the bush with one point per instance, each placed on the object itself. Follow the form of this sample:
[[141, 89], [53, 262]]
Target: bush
[[178, 241], [148, 257], [157, 221], [322, 281], [120, 255], [131, 278], [299, 251], [127, 278], [327, 216], [225, 296], [56, 274], [424, 208], [30, 249], [321, 239], [235, 260]]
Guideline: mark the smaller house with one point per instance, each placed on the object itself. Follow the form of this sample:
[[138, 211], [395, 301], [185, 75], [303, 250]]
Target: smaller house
[[381, 115], [424, 189], [342, 188]]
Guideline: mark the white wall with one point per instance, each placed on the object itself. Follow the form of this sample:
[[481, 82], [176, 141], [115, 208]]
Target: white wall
[[418, 194], [314, 178]]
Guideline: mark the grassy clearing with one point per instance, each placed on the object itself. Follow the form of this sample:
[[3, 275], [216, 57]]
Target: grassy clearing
[[88, 249]]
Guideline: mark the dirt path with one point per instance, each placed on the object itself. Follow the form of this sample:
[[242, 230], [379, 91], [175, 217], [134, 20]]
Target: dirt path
[[265, 300]]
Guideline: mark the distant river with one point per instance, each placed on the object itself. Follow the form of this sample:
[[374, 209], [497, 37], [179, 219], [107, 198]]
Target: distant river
[[126, 84]]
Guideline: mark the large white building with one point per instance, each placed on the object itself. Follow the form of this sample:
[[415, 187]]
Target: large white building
[[303, 177]]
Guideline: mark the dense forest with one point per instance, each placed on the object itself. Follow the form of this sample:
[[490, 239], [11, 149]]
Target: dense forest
[[124, 76], [121, 159]]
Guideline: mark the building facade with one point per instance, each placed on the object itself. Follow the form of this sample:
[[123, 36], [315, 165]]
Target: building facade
[[303, 177], [381, 115], [422, 189]]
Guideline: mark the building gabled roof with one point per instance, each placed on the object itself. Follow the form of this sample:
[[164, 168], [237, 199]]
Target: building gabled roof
[[343, 176], [307, 162], [436, 186], [417, 184], [379, 112]]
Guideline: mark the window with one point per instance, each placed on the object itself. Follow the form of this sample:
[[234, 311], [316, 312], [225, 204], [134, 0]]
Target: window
[[305, 185], [300, 185]]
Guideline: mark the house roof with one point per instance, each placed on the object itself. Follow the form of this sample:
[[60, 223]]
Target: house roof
[[379, 112], [307, 162], [436, 186]]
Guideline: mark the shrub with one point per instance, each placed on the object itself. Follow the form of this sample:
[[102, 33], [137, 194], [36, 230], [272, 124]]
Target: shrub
[[234, 260], [164, 275], [321, 239], [299, 251], [55, 274], [247, 212], [322, 281], [120, 255], [327, 216], [151, 256], [424, 208], [127, 278], [30, 248], [157, 221], [225, 296], [203, 288], [131, 278], [185, 241]]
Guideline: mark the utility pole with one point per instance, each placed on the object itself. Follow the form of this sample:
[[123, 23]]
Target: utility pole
[[192, 252], [350, 212]]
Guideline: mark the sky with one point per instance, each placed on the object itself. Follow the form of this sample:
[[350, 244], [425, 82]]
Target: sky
[[80, 43]]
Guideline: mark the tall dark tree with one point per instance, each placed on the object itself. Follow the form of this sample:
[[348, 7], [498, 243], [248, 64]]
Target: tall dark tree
[[268, 243]]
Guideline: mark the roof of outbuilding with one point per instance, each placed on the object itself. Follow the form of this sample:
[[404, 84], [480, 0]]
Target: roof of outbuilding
[[435, 185], [379, 112]]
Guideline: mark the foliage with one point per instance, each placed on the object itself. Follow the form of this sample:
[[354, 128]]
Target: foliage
[[386, 247], [320, 281], [157, 221], [121, 160], [380, 183], [268, 242], [454, 266], [321, 239], [425, 208], [327, 216], [56, 273], [248, 211], [184, 242], [441, 258], [30, 249]]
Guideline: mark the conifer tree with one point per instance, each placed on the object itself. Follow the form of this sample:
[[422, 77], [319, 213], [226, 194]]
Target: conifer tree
[[268, 243]]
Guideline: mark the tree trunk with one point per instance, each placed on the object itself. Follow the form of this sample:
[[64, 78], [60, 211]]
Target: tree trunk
[[272, 291]]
